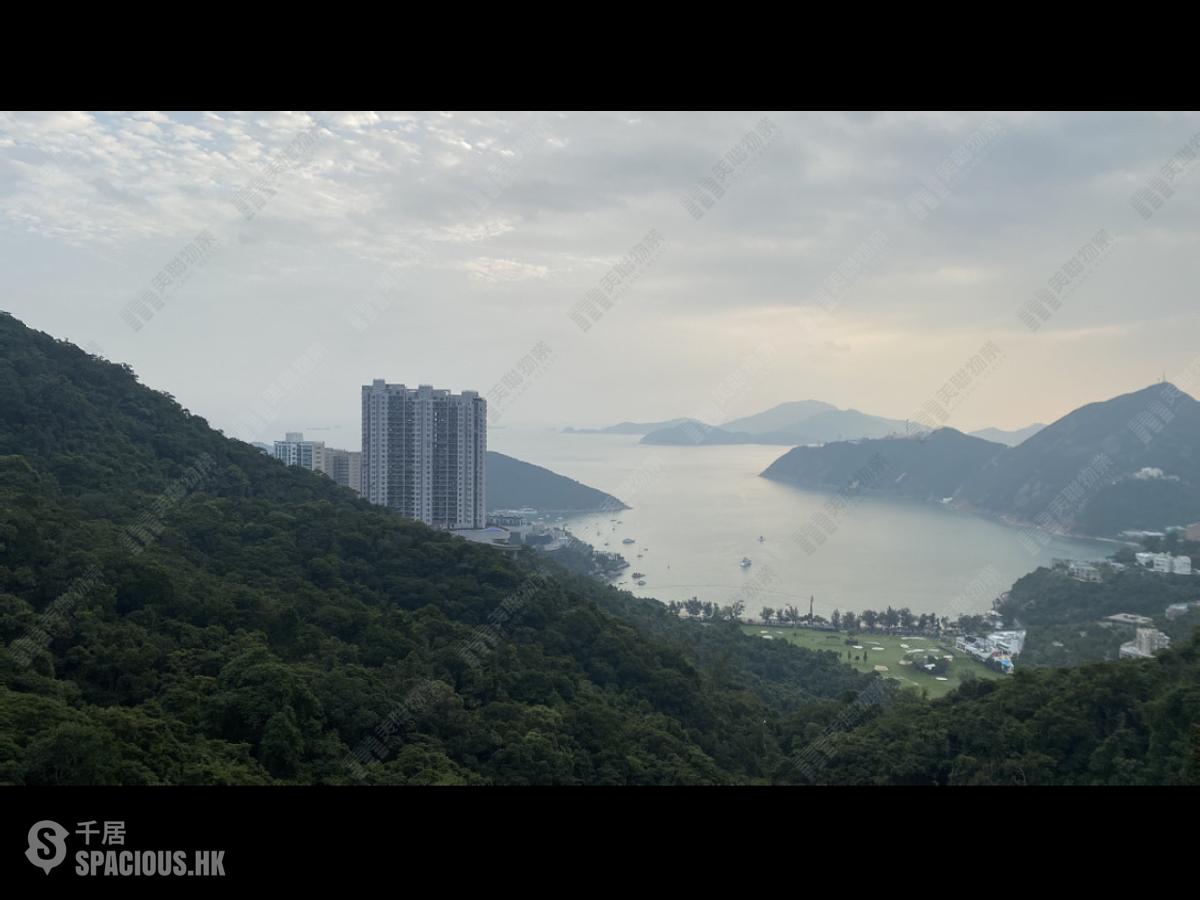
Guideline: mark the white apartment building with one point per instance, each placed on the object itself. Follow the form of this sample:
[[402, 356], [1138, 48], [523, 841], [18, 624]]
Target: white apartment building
[[294, 450], [424, 453], [1147, 642], [1165, 563], [344, 467], [1084, 571]]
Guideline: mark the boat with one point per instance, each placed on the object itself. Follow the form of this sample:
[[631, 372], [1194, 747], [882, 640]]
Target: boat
[[637, 575], [629, 541], [641, 584], [745, 562], [761, 538]]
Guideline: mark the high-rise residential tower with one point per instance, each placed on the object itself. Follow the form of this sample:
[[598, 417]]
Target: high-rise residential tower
[[423, 453]]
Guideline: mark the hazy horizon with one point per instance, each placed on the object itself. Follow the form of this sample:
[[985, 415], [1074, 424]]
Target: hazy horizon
[[445, 249]]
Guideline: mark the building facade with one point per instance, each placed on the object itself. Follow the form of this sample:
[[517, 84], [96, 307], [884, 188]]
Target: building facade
[[1165, 562], [342, 466], [294, 450], [424, 453], [345, 468], [1148, 642]]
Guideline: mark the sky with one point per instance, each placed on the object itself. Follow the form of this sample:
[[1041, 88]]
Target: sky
[[586, 268]]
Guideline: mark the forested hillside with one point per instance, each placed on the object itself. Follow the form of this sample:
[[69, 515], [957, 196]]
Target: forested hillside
[[513, 484], [175, 607], [925, 467], [1127, 722]]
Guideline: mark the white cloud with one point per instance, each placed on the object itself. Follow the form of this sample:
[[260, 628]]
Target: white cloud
[[503, 270], [534, 210]]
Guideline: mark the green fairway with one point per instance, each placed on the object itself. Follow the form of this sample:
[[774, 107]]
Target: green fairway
[[890, 656]]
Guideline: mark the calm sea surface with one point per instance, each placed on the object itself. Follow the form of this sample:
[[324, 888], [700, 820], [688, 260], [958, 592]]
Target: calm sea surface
[[697, 511]]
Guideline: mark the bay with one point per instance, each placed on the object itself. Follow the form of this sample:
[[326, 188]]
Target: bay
[[697, 511]]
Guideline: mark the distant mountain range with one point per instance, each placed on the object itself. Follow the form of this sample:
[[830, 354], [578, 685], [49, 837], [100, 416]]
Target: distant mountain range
[[513, 484], [799, 422], [1132, 462], [629, 427], [1135, 458], [779, 418], [1008, 438], [788, 424]]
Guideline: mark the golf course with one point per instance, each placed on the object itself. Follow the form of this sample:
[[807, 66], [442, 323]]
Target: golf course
[[896, 654]]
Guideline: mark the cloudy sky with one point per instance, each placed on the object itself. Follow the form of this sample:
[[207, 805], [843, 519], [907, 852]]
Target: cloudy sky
[[863, 259]]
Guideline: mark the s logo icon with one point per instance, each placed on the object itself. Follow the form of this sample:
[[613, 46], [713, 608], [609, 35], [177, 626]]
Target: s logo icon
[[47, 845]]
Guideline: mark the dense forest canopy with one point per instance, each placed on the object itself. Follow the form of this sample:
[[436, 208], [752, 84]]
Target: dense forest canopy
[[175, 607]]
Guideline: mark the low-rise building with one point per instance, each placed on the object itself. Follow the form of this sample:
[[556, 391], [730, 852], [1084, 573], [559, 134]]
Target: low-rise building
[[491, 535], [294, 450], [1009, 642], [999, 646], [1083, 571], [1165, 563], [1129, 619], [1146, 644]]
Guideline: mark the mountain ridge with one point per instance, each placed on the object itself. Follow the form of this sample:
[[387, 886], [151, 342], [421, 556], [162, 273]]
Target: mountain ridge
[[513, 484], [1128, 462]]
